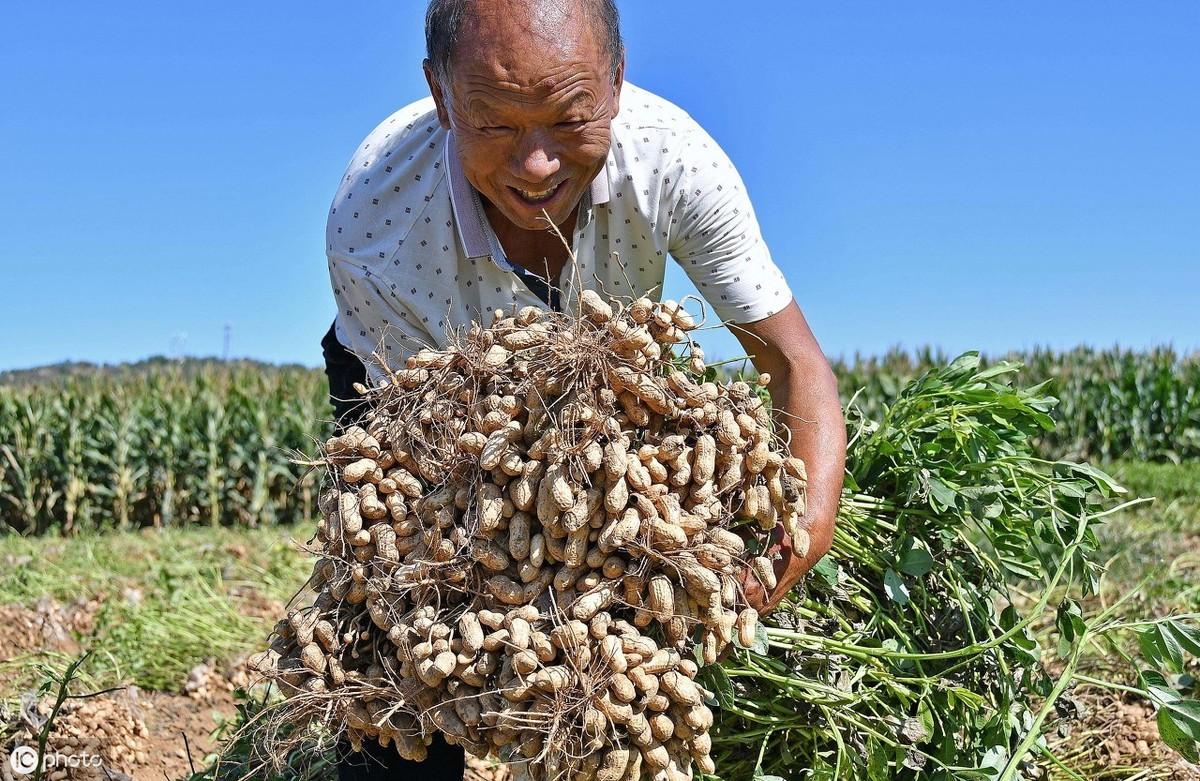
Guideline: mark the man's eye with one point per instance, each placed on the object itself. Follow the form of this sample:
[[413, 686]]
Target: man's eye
[[495, 129], [570, 124]]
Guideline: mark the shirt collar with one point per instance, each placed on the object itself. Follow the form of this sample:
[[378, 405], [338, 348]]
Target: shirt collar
[[473, 231]]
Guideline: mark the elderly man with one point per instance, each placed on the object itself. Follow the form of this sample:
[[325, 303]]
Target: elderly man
[[441, 217]]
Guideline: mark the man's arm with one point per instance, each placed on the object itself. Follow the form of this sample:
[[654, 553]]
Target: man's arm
[[805, 396]]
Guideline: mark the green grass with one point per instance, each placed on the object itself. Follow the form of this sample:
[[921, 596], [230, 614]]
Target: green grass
[[95, 564], [196, 586], [1166, 482], [1157, 545]]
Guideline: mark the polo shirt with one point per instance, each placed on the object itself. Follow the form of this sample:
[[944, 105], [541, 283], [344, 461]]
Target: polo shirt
[[412, 256]]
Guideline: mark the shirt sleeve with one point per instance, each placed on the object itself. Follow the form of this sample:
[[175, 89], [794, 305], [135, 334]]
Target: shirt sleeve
[[716, 237]]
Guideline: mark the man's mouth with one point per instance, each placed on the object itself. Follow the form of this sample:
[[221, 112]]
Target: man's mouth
[[537, 197]]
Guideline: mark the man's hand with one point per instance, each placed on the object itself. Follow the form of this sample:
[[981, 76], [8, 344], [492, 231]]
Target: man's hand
[[805, 397], [789, 568]]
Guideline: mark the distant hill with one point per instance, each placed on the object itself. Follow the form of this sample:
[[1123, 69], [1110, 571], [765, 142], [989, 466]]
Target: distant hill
[[67, 370]]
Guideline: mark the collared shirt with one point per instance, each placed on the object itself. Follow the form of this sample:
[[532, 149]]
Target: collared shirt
[[412, 255]]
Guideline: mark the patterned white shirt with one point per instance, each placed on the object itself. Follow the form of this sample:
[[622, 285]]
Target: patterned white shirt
[[411, 253]]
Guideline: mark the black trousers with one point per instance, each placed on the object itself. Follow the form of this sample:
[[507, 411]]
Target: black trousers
[[343, 369], [376, 763]]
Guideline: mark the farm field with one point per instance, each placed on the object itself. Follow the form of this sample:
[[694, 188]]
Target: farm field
[[183, 517], [605, 391], [167, 444], [169, 613], [175, 612]]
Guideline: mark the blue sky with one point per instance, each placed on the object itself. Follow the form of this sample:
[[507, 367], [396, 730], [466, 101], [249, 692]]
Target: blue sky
[[966, 175]]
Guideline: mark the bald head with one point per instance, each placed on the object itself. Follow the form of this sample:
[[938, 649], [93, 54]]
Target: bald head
[[447, 22]]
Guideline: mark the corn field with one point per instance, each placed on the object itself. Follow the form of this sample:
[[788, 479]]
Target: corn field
[[211, 443], [169, 446], [1112, 403]]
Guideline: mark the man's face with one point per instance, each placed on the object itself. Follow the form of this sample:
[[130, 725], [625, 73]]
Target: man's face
[[531, 99]]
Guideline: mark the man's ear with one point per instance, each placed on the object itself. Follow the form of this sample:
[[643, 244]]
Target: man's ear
[[618, 82], [439, 97]]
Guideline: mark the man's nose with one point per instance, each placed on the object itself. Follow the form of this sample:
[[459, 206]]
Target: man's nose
[[536, 160]]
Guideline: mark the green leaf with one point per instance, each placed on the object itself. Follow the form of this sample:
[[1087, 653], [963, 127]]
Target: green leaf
[[760, 639], [960, 367], [1157, 688], [925, 716], [1172, 650], [967, 697], [1175, 735], [1186, 716], [721, 685], [1070, 621], [1076, 490], [999, 368], [941, 495], [1102, 478], [916, 562], [895, 588], [1014, 553], [827, 568], [992, 762], [1148, 643], [877, 761], [760, 776], [1187, 637], [1024, 643]]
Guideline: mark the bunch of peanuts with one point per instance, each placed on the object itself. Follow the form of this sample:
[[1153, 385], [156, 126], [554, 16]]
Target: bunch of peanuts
[[534, 543]]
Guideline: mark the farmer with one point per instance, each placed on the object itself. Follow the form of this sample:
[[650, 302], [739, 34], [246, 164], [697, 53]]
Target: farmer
[[441, 218]]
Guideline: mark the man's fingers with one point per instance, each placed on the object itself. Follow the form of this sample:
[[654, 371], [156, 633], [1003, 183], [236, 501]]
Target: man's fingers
[[752, 589], [759, 598]]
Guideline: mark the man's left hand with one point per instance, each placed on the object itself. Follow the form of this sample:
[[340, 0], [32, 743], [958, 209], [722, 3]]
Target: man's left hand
[[790, 566], [805, 398]]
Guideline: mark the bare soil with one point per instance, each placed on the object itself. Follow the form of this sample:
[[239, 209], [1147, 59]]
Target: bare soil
[[1118, 738], [119, 734], [151, 736]]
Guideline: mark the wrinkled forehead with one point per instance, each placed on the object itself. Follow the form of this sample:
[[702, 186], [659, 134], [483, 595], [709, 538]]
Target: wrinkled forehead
[[522, 45]]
